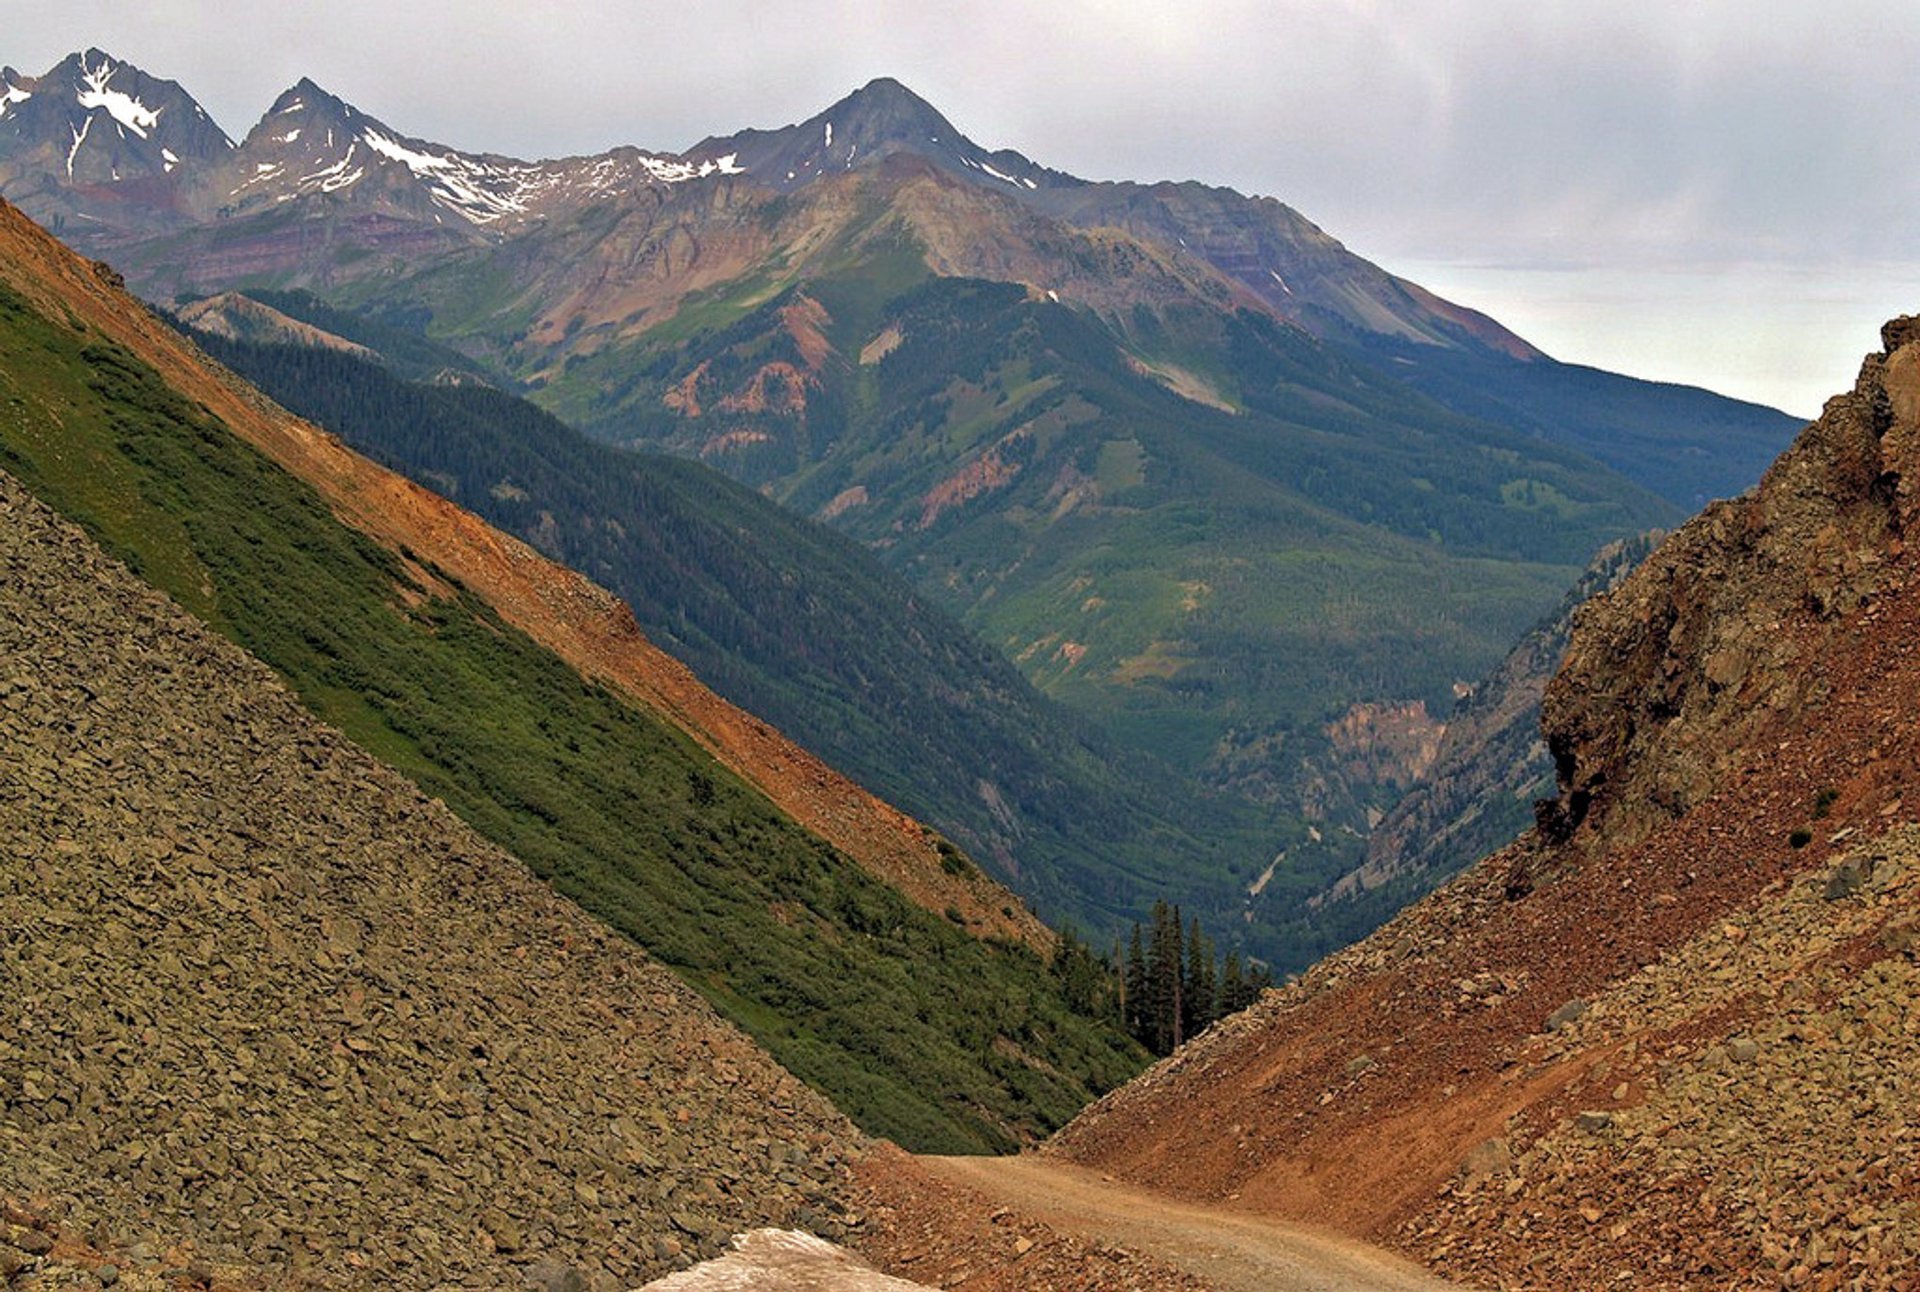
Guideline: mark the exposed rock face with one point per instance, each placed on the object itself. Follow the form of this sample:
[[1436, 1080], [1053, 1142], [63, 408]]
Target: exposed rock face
[[1668, 1040], [241, 318], [1677, 676], [261, 1000]]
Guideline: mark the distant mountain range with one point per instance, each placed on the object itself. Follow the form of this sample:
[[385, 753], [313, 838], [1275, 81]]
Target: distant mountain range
[[1198, 471]]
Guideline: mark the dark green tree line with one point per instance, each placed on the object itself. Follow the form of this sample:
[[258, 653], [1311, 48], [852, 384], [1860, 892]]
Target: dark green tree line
[[1166, 988]]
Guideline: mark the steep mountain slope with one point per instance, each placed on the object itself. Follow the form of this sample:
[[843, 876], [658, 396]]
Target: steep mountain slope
[[1217, 581], [1200, 472], [781, 616], [422, 635], [266, 1000], [1665, 1040]]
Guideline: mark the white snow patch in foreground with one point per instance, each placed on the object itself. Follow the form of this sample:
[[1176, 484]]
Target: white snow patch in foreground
[[829, 142], [1283, 282], [776, 1260], [124, 108]]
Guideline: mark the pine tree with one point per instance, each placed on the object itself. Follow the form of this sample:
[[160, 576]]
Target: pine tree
[[1233, 990], [1165, 967], [1134, 991], [1197, 996]]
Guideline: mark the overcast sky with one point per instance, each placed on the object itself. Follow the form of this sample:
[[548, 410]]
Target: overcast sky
[[1698, 190]]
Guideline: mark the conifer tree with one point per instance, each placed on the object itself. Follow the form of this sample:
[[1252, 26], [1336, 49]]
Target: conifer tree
[[1232, 988], [1197, 996], [1165, 968], [1134, 1002]]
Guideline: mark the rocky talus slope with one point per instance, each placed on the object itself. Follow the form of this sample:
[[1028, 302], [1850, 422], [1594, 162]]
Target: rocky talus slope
[[568, 614], [1667, 1039], [262, 1004]]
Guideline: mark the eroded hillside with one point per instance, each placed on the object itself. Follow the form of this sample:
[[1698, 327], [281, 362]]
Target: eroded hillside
[[521, 695], [1666, 1040]]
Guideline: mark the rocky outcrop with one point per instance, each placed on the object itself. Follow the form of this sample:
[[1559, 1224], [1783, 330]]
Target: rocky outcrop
[[1666, 1041], [241, 318], [264, 1004], [1679, 674]]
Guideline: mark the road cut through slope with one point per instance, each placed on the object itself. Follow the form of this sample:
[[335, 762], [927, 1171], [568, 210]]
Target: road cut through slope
[[1235, 1251]]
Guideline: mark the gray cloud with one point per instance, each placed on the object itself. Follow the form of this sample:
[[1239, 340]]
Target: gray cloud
[[1505, 132]]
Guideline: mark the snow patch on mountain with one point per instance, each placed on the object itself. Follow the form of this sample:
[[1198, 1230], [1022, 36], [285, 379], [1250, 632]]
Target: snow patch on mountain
[[96, 92], [988, 168], [331, 179], [470, 188], [79, 137]]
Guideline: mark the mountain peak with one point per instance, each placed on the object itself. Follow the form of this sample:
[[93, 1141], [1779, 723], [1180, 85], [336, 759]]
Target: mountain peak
[[885, 95], [881, 118], [105, 121], [885, 114], [306, 95]]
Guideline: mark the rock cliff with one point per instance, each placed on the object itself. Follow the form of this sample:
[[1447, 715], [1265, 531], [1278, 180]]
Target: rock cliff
[[1719, 639]]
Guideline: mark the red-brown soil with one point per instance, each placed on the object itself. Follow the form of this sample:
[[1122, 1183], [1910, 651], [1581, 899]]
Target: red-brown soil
[[1737, 1106]]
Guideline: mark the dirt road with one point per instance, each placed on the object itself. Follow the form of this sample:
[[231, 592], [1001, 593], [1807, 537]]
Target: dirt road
[[1234, 1251]]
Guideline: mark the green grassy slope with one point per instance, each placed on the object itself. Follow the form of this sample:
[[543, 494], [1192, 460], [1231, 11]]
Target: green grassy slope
[[1687, 445], [1214, 583], [803, 626], [917, 1030]]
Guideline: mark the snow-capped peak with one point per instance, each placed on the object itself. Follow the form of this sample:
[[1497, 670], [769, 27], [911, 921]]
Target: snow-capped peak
[[95, 92], [329, 147]]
